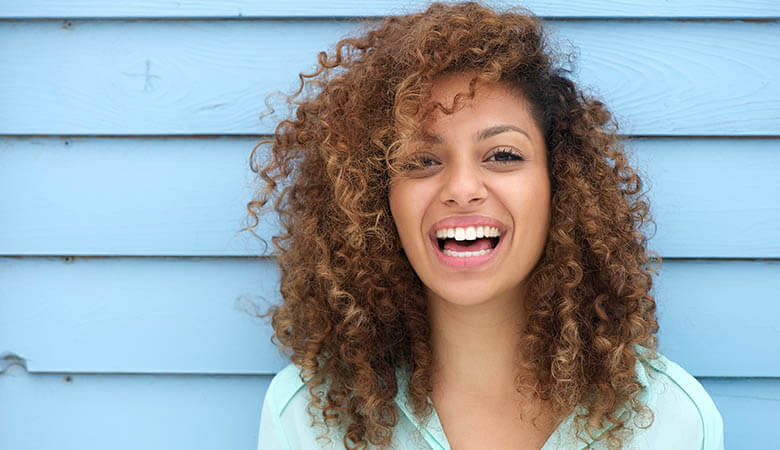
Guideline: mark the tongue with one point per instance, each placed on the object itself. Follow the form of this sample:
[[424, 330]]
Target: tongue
[[461, 246]]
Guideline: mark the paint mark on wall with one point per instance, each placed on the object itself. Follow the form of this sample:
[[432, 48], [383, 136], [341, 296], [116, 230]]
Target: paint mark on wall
[[10, 359], [149, 77]]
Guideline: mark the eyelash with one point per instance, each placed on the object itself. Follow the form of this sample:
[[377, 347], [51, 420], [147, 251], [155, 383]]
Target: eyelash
[[513, 156], [419, 162]]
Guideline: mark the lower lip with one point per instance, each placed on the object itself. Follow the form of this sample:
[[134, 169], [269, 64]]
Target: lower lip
[[467, 262]]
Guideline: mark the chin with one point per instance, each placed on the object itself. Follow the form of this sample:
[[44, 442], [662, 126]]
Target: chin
[[470, 294]]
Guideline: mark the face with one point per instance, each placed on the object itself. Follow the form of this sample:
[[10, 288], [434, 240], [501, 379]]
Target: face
[[472, 209]]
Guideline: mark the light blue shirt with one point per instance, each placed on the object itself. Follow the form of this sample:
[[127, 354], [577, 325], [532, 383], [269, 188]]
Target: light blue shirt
[[685, 417]]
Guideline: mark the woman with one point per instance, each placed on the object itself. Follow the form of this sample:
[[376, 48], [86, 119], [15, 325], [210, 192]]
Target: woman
[[462, 260]]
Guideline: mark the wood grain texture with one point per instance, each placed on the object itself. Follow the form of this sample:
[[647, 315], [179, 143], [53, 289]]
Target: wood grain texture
[[212, 77], [174, 315], [354, 8], [129, 412], [167, 197]]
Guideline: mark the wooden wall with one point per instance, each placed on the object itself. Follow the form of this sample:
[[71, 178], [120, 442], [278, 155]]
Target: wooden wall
[[126, 288]]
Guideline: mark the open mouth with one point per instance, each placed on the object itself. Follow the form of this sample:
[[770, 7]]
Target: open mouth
[[467, 242]]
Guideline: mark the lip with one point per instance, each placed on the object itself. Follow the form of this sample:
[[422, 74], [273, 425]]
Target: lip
[[466, 221]]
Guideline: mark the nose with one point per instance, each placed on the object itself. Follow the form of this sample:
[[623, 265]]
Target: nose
[[463, 186]]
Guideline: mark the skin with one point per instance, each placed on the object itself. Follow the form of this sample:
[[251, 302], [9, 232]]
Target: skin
[[476, 312]]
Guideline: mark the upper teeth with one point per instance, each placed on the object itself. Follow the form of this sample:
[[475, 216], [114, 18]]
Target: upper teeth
[[468, 233]]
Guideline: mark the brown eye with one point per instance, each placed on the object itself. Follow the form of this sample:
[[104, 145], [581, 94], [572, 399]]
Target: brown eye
[[505, 156], [420, 163], [428, 162]]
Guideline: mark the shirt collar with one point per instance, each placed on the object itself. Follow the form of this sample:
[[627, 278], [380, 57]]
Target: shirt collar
[[564, 435], [430, 429]]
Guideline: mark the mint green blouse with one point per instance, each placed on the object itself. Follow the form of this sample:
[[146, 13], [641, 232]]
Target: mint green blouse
[[685, 417]]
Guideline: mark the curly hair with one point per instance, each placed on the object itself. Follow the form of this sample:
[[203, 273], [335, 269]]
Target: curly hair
[[354, 310]]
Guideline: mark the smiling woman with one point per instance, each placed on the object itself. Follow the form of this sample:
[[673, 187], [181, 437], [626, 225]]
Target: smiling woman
[[486, 167], [463, 263]]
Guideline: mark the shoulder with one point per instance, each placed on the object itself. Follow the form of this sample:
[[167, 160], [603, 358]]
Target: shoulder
[[284, 421], [284, 387], [683, 412]]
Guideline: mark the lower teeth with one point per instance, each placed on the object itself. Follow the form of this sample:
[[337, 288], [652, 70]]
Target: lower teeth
[[467, 254]]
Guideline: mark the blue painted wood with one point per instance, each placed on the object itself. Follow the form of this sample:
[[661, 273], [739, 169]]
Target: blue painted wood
[[713, 198], [85, 196], [211, 77], [127, 412], [355, 8], [127, 197], [750, 408], [718, 318], [174, 315], [138, 315]]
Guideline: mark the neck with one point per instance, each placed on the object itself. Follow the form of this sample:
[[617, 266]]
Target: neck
[[475, 346]]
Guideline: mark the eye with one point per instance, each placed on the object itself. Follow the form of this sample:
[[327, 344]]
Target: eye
[[420, 163], [427, 161], [505, 155]]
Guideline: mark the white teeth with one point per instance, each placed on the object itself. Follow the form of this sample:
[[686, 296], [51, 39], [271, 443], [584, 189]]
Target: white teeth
[[468, 233], [467, 254]]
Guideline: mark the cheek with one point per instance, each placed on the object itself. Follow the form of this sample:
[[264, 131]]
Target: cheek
[[542, 197], [399, 208], [542, 204], [531, 202], [407, 205]]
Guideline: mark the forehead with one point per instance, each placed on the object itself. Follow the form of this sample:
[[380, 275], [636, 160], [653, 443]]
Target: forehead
[[446, 86], [451, 108]]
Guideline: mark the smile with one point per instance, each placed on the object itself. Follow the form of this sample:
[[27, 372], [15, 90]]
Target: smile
[[464, 242]]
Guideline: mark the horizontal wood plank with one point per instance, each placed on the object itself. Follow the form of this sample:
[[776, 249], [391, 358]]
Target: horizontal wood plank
[[138, 315], [354, 8], [749, 408], [712, 316], [127, 412], [174, 315], [713, 198], [212, 77], [167, 197], [127, 197]]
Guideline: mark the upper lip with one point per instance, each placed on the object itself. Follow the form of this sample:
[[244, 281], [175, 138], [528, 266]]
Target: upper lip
[[467, 221]]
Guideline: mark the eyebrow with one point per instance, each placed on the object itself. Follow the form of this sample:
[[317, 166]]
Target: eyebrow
[[430, 138], [498, 129], [484, 134]]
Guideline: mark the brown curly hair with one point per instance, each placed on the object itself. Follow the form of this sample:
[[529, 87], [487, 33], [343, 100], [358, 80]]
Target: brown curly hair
[[353, 308]]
